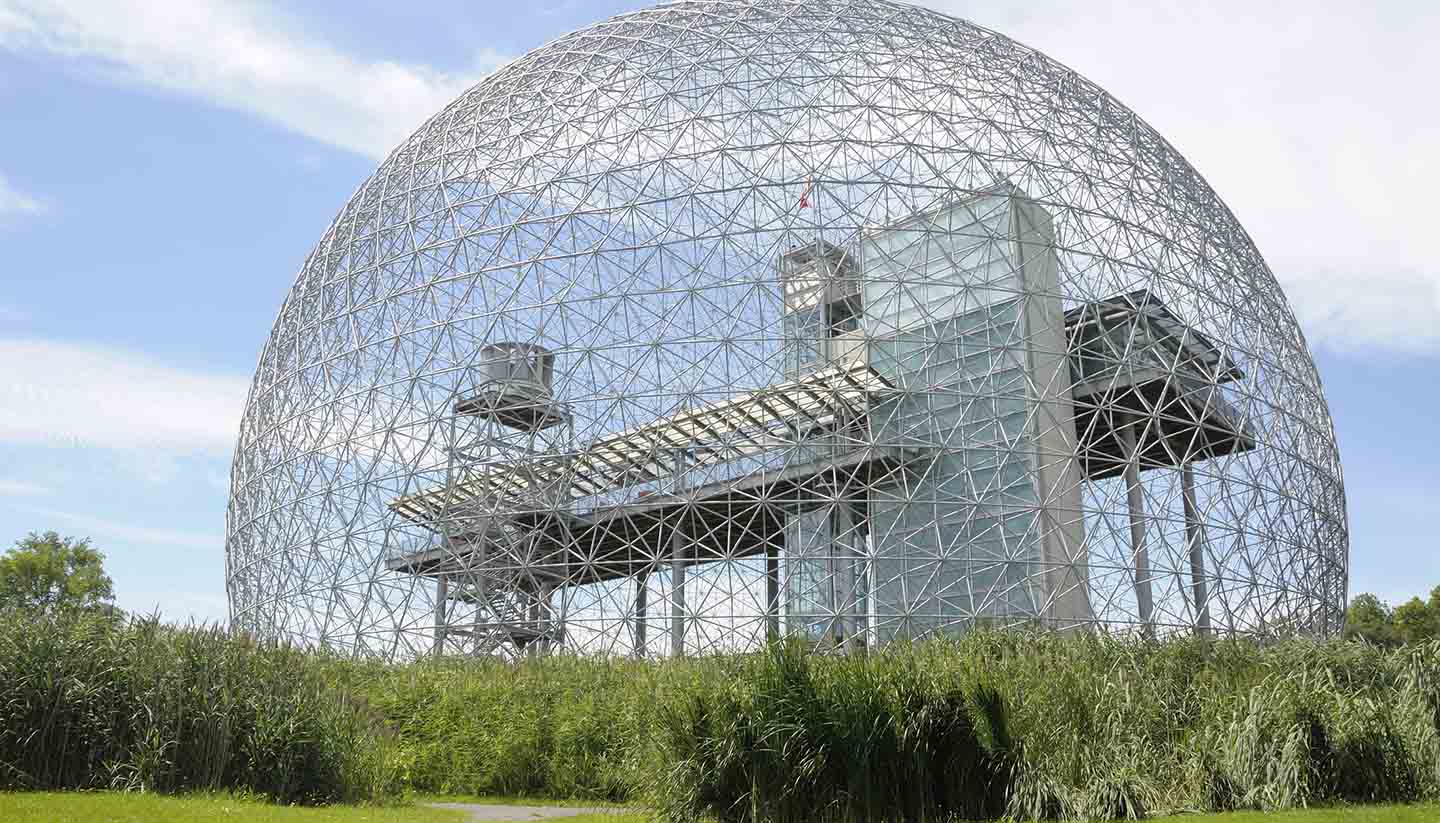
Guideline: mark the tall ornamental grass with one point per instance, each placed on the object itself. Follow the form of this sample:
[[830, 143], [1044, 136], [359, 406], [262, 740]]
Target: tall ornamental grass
[[1029, 725], [1045, 726], [786, 736], [1021, 725], [559, 727], [89, 702]]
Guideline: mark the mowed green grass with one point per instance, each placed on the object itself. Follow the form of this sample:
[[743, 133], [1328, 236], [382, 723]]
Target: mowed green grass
[[110, 807], [507, 800], [1343, 814]]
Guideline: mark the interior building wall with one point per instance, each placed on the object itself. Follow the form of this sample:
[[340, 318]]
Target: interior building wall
[[962, 311]]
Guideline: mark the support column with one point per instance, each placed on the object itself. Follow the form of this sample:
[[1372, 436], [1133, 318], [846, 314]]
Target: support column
[[545, 619], [442, 593], [677, 591], [857, 577], [772, 592], [642, 596], [533, 615], [842, 577], [442, 582], [1195, 540], [677, 570], [1144, 601]]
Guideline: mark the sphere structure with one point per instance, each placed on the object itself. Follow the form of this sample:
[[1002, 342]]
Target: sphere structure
[[722, 321]]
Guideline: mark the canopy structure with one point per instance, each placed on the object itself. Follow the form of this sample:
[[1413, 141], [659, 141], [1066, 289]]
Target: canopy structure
[[747, 425], [1135, 365]]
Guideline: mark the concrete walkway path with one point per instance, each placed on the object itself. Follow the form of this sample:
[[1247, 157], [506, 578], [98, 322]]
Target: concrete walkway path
[[496, 812]]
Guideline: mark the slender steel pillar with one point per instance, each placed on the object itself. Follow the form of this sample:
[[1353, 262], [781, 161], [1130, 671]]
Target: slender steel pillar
[[533, 646], [1195, 540], [545, 619], [442, 592], [1144, 600], [677, 591], [772, 591], [842, 534], [642, 595], [677, 570]]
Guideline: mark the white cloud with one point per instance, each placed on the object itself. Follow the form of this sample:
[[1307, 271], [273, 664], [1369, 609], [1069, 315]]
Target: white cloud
[[66, 394], [151, 576], [176, 607], [14, 201], [1311, 119], [244, 56], [21, 488], [129, 533]]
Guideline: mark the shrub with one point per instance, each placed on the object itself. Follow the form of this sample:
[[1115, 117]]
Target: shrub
[[786, 735], [90, 702], [1029, 725], [558, 727], [1048, 726]]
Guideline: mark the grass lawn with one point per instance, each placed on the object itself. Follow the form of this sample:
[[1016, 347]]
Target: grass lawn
[[508, 800], [1346, 814], [110, 807]]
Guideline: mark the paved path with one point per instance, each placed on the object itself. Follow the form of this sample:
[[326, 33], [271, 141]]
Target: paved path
[[488, 812]]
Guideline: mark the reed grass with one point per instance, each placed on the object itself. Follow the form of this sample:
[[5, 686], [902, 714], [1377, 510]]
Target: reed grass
[[563, 728], [1025, 725], [1029, 725], [92, 702]]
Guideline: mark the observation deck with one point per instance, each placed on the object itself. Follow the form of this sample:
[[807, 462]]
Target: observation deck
[[604, 533], [1140, 372]]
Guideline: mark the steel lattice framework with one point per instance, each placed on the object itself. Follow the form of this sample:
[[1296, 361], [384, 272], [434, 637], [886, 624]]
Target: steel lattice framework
[[725, 320]]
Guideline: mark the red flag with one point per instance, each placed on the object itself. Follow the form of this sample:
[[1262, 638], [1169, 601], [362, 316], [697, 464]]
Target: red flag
[[805, 195]]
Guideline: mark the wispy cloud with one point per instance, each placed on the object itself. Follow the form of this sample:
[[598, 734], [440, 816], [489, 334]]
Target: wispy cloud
[[157, 570], [21, 488], [1307, 122], [15, 202], [67, 394], [128, 532], [177, 607], [245, 56]]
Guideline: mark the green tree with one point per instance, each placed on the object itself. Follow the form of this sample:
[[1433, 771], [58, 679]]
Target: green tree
[[1369, 619], [1413, 621], [48, 572]]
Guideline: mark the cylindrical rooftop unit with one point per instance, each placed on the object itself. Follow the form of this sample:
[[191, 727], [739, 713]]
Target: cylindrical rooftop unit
[[512, 383], [517, 366]]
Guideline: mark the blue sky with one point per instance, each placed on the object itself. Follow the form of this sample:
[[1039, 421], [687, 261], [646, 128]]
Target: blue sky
[[166, 166]]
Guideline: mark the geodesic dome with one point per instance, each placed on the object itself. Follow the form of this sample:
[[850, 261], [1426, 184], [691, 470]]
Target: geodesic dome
[[722, 321]]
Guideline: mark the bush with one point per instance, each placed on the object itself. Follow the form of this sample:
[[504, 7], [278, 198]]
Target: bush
[[789, 736], [1029, 725], [92, 702], [560, 727], [1047, 726]]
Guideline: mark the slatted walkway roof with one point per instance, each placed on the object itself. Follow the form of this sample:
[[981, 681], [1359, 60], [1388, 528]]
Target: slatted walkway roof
[[727, 430]]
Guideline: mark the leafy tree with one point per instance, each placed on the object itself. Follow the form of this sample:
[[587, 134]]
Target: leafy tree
[[1369, 619], [47, 572], [1413, 621], [1433, 610]]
